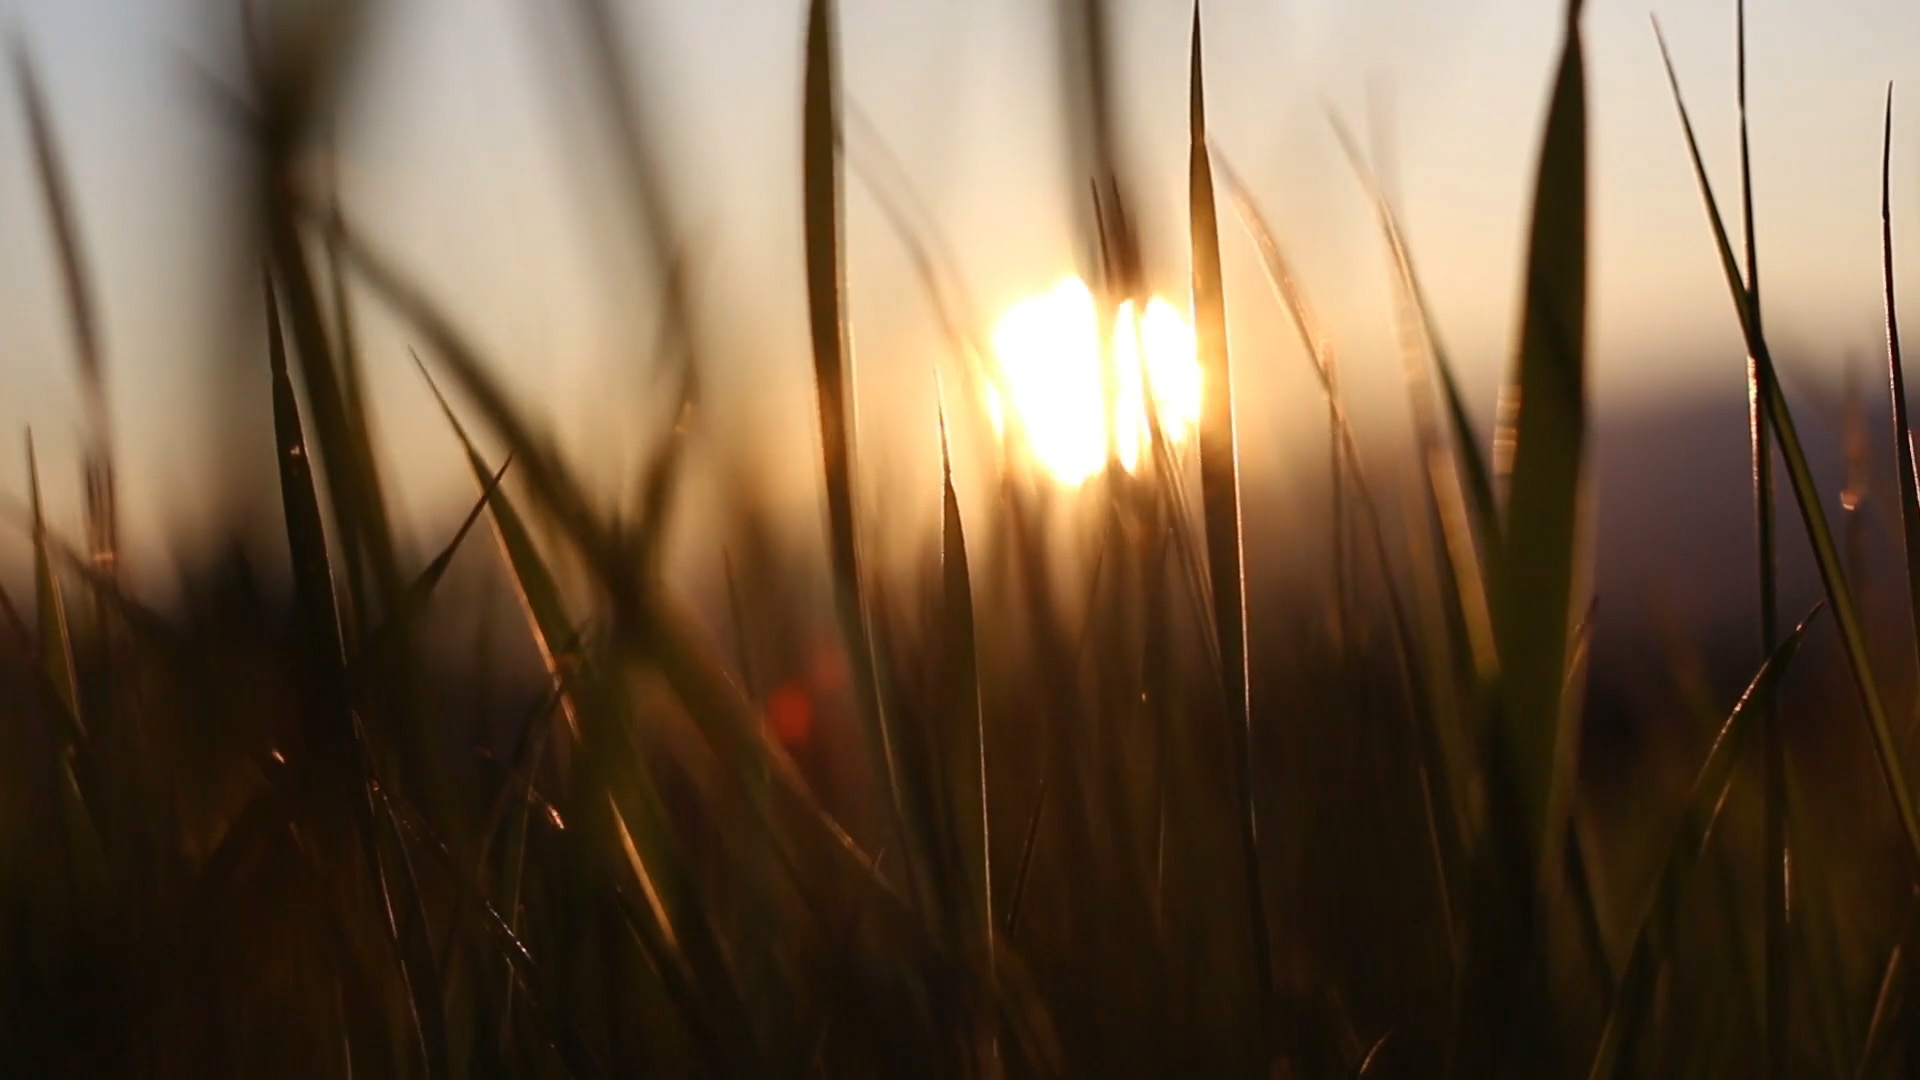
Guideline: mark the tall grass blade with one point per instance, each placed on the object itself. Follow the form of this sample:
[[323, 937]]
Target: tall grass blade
[[1653, 937], [1536, 587], [1777, 996], [1220, 503], [833, 378], [1909, 481], [341, 741], [306, 536], [1812, 512], [961, 687]]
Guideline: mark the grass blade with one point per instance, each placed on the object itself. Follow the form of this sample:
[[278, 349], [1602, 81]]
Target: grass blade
[[341, 747], [1653, 937], [86, 865], [385, 637], [961, 687], [1908, 484], [56, 194], [1812, 512], [1777, 996], [1536, 586], [833, 377], [306, 536], [1220, 505], [1459, 482], [539, 593], [56, 644]]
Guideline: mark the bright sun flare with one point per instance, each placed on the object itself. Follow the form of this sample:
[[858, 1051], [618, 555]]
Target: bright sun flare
[[1052, 384]]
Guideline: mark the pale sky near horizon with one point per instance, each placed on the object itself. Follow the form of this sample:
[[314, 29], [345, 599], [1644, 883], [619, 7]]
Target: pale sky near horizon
[[455, 159]]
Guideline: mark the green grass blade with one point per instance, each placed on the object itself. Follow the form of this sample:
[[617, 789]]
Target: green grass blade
[[1653, 939], [1812, 512], [833, 378], [1536, 587], [1220, 504]]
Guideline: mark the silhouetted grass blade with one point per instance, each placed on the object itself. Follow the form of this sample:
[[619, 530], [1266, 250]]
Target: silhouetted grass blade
[[833, 378], [1535, 588], [1903, 457], [1220, 502]]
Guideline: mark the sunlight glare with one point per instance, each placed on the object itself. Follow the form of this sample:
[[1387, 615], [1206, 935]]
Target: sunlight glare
[[1052, 376]]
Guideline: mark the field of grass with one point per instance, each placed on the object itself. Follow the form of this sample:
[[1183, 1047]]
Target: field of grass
[[1094, 812]]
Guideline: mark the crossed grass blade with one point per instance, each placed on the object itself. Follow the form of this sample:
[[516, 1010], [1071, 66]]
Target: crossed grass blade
[[1812, 512], [1776, 993]]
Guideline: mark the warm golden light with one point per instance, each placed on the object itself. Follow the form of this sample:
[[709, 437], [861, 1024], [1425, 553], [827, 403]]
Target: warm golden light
[[1052, 384]]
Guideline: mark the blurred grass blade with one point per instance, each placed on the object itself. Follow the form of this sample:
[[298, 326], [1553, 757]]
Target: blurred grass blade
[[1444, 817], [539, 593], [86, 860], [383, 640], [1653, 937], [833, 377], [1458, 480], [1220, 503], [1812, 512], [1536, 588], [56, 193], [56, 645], [1896, 983]]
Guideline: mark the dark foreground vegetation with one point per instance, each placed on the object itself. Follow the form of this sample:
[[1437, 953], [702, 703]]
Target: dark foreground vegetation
[[1128, 809]]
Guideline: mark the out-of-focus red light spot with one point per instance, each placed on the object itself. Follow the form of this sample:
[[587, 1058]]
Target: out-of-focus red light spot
[[790, 714], [828, 672]]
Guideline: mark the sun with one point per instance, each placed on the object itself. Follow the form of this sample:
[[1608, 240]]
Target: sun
[[1053, 380]]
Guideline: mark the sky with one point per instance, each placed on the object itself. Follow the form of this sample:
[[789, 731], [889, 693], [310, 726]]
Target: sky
[[465, 150]]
